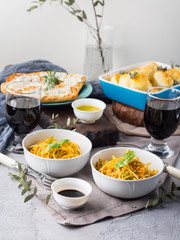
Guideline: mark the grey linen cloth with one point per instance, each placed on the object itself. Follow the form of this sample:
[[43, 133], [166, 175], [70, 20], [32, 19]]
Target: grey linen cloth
[[101, 205], [6, 133]]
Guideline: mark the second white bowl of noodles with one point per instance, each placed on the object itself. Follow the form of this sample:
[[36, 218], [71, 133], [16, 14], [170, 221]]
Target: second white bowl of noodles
[[127, 189], [57, 167]]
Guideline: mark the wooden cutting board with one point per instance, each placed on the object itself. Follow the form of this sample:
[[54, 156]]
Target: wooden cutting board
[[101, 133], [128, 114]]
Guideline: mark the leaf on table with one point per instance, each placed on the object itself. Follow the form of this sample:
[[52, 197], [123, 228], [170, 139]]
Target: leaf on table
[[48, 198], [29, 197]]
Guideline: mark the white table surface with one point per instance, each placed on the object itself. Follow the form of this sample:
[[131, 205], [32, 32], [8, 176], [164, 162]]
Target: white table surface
[[31, 220]]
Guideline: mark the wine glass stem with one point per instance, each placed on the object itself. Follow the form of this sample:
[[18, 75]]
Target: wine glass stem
[[159, 145], [16, 144], [18, 138]]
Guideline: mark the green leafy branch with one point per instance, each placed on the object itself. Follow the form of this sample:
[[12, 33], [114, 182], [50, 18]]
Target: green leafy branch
[[69, 124], [73, 8], [164, 196], [25, 185]]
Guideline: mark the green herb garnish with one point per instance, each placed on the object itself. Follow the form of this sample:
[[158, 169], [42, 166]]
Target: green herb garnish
[[56, 144], [122, 72], [160, 68], [175, 66], [176, 82], [127, 157], [133, 75], [51, 80]]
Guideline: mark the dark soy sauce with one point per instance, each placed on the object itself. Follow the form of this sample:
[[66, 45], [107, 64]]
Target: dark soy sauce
[[161, 119], [71, 193], [23, 113]]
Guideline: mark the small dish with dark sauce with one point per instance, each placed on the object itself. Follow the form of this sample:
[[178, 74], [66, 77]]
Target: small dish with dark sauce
[[71, 193]]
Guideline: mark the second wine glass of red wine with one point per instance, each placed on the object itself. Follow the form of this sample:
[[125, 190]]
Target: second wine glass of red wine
[[161, 118], [23, 110]]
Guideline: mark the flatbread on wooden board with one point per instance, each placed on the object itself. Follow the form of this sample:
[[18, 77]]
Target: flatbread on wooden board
[[66, 90]]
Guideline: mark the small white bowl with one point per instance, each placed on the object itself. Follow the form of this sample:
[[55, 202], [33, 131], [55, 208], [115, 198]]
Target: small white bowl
[[72, 184], [127, 189], [88, 116], [57, 167]]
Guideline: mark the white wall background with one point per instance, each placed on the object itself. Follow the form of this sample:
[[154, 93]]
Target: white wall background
[[144, 30]]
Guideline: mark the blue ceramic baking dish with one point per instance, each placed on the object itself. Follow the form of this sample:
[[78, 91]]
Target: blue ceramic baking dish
[[130, 97]]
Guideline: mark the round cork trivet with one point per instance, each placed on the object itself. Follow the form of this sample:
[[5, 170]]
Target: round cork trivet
[[128, 114]]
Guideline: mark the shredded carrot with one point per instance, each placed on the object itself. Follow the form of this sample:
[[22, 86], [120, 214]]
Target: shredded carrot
[[66, 150], [134, 170]]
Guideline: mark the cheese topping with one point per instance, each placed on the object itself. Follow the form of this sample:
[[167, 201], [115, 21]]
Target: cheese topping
[[66, 90], [72, 80]]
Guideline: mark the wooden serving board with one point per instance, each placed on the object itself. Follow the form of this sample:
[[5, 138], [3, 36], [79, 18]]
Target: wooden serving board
[[128, 114], [101, 133]]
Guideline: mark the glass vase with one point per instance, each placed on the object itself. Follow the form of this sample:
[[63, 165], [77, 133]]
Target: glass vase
[[98, 57]]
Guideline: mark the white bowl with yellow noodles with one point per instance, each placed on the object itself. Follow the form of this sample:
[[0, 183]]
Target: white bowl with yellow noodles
[[56, 152], [126, 173]]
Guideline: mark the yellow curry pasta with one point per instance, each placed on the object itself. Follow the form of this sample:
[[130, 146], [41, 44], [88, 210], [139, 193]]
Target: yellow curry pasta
[[134, 170], [50, 148]]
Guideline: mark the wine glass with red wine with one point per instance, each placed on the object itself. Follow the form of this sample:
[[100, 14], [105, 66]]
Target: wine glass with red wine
[[161, 118], [23, 110]]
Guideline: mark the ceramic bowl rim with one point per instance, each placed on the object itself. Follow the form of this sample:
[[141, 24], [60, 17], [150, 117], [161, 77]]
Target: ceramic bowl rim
[[54, 159], [87, 99]]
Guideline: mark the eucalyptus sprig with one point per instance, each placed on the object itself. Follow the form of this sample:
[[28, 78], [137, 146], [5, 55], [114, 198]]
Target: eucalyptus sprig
[[73, 8], [164, 196], [69, 124], [51, 80], [25, 185]]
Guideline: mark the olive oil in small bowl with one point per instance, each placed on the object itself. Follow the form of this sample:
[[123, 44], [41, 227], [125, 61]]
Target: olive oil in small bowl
[[71, 193], [88, 110]]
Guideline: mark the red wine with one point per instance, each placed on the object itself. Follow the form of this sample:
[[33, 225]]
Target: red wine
[[161, 118], [71, 193], [23, 113]]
